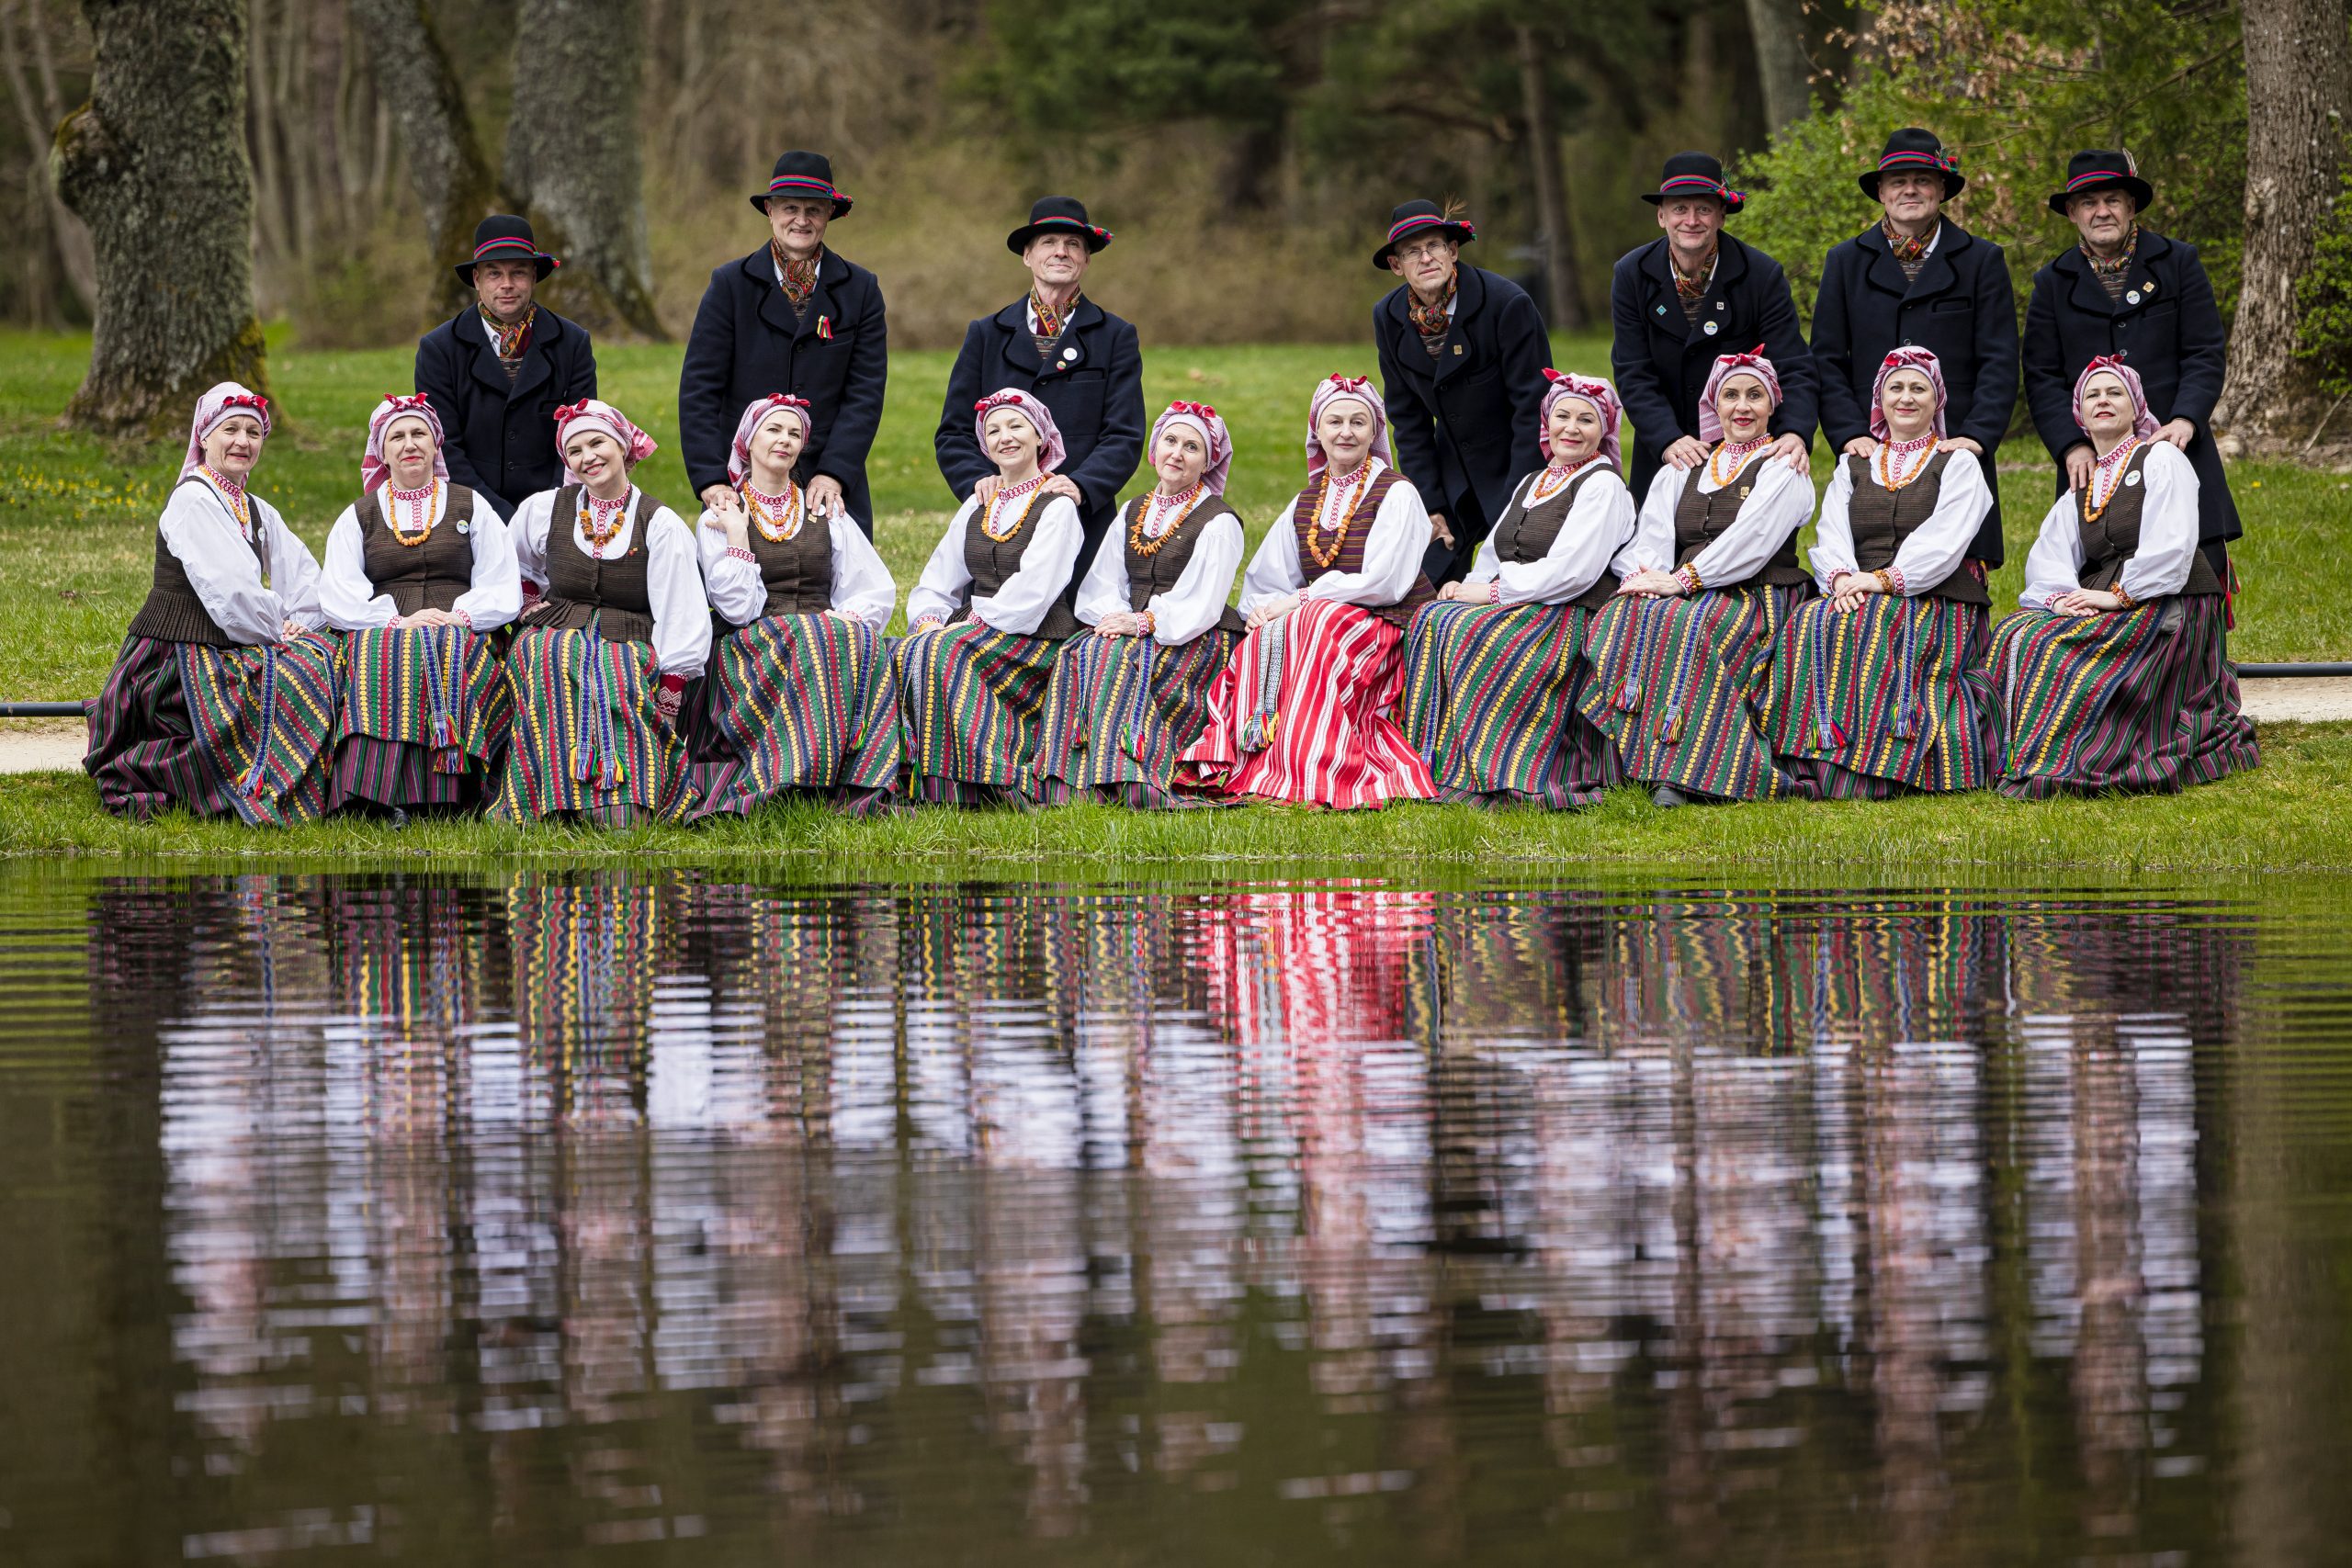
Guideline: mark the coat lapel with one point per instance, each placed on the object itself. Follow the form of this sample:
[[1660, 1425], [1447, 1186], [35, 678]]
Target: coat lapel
[[2142, 277], [1937, 273], [473, 331], [537, 358], [831, 271], [1020, 343], [1664, 305], [1885, 273], [774, 309], [1454, 353], [1073, 349], [2084, 291]]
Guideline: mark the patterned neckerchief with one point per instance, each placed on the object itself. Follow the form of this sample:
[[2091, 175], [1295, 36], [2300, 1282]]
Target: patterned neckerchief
[[1692, 285], [2111, 273], [1051, 321], [1432, 320], [1908, 251], [510, 342], [798, 279]]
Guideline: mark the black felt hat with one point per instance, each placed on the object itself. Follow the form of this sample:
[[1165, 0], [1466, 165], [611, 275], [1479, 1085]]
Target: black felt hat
[[2102, 169], [1420, 218], [1912, 148], [1695, 173], [803, 174], [1057, 215], [501, 236]]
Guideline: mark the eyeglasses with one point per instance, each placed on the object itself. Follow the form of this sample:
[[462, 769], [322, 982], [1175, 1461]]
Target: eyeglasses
[[1423, 249]]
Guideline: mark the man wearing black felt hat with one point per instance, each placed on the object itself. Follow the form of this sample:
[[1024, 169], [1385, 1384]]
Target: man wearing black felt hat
[[2126, 290], [1682, 299], [1916, 279], [792, 317], [1463, 354], [1077, 358], [497, 373]]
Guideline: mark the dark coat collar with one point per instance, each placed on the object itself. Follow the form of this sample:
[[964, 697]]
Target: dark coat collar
[[547, 330], [1021, 344], [1469, 299], [1938, 274], [775, 311], [1657, 264], [2083, 287]]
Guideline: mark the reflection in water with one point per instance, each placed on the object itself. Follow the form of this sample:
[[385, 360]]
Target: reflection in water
[[496, 1219]]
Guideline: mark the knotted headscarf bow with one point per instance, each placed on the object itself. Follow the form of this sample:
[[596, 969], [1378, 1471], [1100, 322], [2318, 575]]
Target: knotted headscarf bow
[[1918, 359], [2143, 422], [1331, 390], [1710, 424], [1051, 451], [590, 414], [1592, 389], [227, 397], [738, 454], [374, 469], [1213, 435]]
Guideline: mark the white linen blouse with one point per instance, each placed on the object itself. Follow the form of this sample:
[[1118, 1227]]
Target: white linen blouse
[[673, 575]]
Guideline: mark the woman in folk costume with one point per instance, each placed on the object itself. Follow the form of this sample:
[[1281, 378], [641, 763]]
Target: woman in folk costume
[[419, 572], [1124, 702], [2112, 673], [1682, 657], [1883, 685], [986, 622], [614, 625], [223, 698], [799, 694], [1494, 665], [1303, 711]]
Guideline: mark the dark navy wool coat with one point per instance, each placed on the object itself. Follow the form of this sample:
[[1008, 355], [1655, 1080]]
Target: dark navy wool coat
[[498, 437]]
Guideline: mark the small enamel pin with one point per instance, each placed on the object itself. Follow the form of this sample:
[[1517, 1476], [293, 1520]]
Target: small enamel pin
[[464, 525], [1661, 310], [1712, 327], [1069, 355], [2131, 296], [1457, 349], [2133, 478], [825, 327]]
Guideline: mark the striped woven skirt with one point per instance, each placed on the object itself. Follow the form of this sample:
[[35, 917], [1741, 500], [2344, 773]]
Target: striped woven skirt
[[971, 704], [1118, 712], [798, 701], [585, 736], [1679, 685], [2131, 700], [423, 716], [1488, 705], [236, 732], [1301, 712], [1893, 697]]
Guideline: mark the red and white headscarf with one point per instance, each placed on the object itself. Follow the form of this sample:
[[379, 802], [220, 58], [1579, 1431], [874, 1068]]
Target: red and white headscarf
[[590, 414], [2143, 422], [1920, 359], [1219, 441], [228, 397], [374, 468], [1567, 384], [1710, 424], [1329, 390], [1050, 450], [756, 414]]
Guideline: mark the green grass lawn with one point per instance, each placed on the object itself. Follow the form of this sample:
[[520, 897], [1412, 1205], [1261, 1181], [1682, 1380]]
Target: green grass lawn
[[77, 516]]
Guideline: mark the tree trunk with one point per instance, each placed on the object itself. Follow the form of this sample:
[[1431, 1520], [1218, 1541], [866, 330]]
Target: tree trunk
[[66, 232], [572, 155], [416, 82], [1781, 68], [1564, 302], [2298, 85], [155, 163]]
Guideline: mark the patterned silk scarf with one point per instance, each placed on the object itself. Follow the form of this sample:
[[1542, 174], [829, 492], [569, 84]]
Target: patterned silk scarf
[[2111, 273], [1050, 321], [1432, 320], [510, 342], [798, 279]]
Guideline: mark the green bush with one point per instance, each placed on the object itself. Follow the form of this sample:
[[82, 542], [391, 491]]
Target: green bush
[[2324, 295]]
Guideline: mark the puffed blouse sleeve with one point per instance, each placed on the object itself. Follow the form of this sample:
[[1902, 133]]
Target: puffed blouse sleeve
[[346, 594], [1832, 552], [1775, 509], [1020, 605], [529, 528], [204, 538], [2053, 565], [863, 587], [674, 583], [1595, 530], [1103, 590], [729, 577], [2168, 526], [939, 592], [1193, 606], [1653, 546], [496, 596], [1273, 570], [293, 569], [1935, 548], [1392, 555]]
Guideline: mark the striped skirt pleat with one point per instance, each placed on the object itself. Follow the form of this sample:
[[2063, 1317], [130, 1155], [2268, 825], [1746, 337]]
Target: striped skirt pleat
[[2138, 700], [585, 736], [1119, 709], [1678, 685], [971, 702], [1892, 695], [425, 716], [1312, 725], [223, 732], [1488, 704], [798, 701]]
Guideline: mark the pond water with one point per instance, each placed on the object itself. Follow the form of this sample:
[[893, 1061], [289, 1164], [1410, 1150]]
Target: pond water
[[672, 1217]]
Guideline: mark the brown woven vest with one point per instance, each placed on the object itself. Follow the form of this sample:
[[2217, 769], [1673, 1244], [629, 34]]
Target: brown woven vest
[[992, 563], [798, 571], [173, 612], [1882, 519], [1526, 535], [1351, 556], [581, 589], [1156, 573], [428, 576], [2115, 538], [1700, 520]]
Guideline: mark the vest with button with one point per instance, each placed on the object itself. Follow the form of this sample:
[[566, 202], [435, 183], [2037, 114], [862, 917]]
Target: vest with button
[[1149, 576], [992, 563], [425, 576], [1882, 519], [173, 612], [2114, 538], [613, 594], [1700, 519], [1350, 556], [1527, 533], [798, 571]]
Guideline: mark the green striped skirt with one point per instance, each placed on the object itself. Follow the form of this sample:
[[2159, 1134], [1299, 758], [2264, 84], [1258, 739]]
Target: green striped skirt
[[1118, 709], [2129, 700], [236, 732], [1893, 695], [1488, 704], [585, 736], [798, 701], [971, 707], [1679, 686], [424, 716]]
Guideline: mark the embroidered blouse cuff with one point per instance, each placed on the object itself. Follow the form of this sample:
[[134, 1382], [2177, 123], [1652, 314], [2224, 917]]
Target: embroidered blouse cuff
[[465, 618], [530, 588], [736, 552], [673, 682], [1689, 577], [1894, 584], [1495, 590]]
